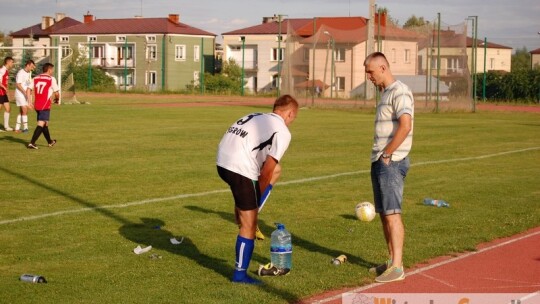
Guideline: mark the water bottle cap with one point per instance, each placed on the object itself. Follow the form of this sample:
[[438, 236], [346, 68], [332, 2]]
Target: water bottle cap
[[280, 226]]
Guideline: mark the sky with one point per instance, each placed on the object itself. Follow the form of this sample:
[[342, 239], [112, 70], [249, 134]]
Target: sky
[[513, 23]]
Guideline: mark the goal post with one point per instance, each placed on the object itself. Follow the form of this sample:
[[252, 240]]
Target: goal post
[[54, 56]]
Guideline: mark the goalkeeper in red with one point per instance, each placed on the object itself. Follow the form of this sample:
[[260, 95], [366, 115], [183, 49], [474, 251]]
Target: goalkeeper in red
[[248, 161], [45, 89]]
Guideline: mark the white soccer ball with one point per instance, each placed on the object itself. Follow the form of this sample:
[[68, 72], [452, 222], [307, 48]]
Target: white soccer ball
[[365, 211]]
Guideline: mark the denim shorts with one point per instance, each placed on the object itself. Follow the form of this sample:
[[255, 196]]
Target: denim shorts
[[388, 181]]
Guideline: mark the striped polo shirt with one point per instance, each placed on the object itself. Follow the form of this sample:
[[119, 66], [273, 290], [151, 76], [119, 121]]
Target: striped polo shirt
[[396, 100]]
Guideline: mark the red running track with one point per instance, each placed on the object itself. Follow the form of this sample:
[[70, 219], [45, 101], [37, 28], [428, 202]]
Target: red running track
[[508, 265]]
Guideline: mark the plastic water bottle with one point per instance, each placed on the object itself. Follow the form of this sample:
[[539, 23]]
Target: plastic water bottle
[[434, 202], [31, 278], [281, 247]]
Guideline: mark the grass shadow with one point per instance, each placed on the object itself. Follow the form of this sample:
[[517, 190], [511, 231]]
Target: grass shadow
[[150, 232], [16, 140], [297, 240]]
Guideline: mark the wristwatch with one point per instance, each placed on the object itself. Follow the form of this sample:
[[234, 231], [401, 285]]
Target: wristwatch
[[385, 155]]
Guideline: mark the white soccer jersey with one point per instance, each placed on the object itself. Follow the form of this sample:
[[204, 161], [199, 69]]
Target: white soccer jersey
[[25, 79], [246, 144]]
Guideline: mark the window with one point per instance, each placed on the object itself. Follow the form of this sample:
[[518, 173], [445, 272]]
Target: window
[[407, 55], [180, 52], [278, 52], [121, 38], [151, 78], [275, 81], [64, 39], [128, 79], [340, 83], [97, 51], [196, 78], [393, 55], [196, 53], [339, 54], [151, 52], [491, 63], [151, 38], [66, 51], [125, 52], [306, 54], [92, 38]]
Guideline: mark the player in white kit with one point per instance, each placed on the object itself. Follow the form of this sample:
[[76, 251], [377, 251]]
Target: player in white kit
[[248, 161], [22, 97]]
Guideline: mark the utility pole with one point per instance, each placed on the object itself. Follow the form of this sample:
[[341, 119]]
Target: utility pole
[[370, 89]]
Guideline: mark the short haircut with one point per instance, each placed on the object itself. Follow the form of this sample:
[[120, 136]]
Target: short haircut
[[29, 61], [8, 58], [47, 66], [284, 102], [376, 55]]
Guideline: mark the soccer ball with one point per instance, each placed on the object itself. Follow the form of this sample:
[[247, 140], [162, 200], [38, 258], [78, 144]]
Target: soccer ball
[[365, 211]]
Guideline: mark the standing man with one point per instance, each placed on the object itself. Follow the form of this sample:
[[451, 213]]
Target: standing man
[[44, 86], [248, 161], [4, 76], [22, 95], [389, 160]]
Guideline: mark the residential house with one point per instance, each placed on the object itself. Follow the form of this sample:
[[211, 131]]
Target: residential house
[[144, 53], [39, 35], [260, 50], [535, 58], [323, 52], [497, 57]]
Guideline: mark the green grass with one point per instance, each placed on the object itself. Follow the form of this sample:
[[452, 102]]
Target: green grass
[[114, 154]]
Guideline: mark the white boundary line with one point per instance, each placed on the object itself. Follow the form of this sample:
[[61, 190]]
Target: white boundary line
[[298, 181], [424, 269]]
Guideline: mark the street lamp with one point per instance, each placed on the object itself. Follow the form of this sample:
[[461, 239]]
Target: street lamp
[[484, 82], [474, 54], [243, 39]]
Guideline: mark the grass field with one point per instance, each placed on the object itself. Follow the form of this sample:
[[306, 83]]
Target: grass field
[[75, 212]]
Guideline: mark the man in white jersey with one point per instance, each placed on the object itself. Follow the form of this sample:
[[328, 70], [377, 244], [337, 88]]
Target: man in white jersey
[[4, 100], [22, 96], [389, 160], [248, 161], [45, 89]]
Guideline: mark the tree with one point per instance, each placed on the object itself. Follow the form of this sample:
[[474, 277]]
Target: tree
[[521, 60], [79, 68], [228, 81], [413, 21]]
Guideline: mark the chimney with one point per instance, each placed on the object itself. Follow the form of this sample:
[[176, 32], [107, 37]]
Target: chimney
[[46, 22], [381, 17], [88, 18], [174, 18], [59, 16], [270, 19]]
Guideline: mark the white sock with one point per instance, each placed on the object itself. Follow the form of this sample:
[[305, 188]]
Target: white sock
[[6, 120], [18, 124], [25, 122]]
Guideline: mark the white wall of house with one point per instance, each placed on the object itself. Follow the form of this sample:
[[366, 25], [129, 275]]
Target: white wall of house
[[38, 53], [496, 59], [259, 48]]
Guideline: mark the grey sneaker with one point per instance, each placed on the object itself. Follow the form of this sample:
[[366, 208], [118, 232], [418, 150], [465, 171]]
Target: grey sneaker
[[381, 268], [391, 274]]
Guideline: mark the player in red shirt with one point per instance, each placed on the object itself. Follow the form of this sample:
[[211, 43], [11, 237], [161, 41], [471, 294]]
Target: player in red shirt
[[45, 88], [4, 76]]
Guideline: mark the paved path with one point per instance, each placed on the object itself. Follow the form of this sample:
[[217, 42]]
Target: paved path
[[508, 265]]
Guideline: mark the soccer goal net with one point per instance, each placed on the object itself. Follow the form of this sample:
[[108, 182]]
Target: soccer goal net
[[323, 65], [57, 55]]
